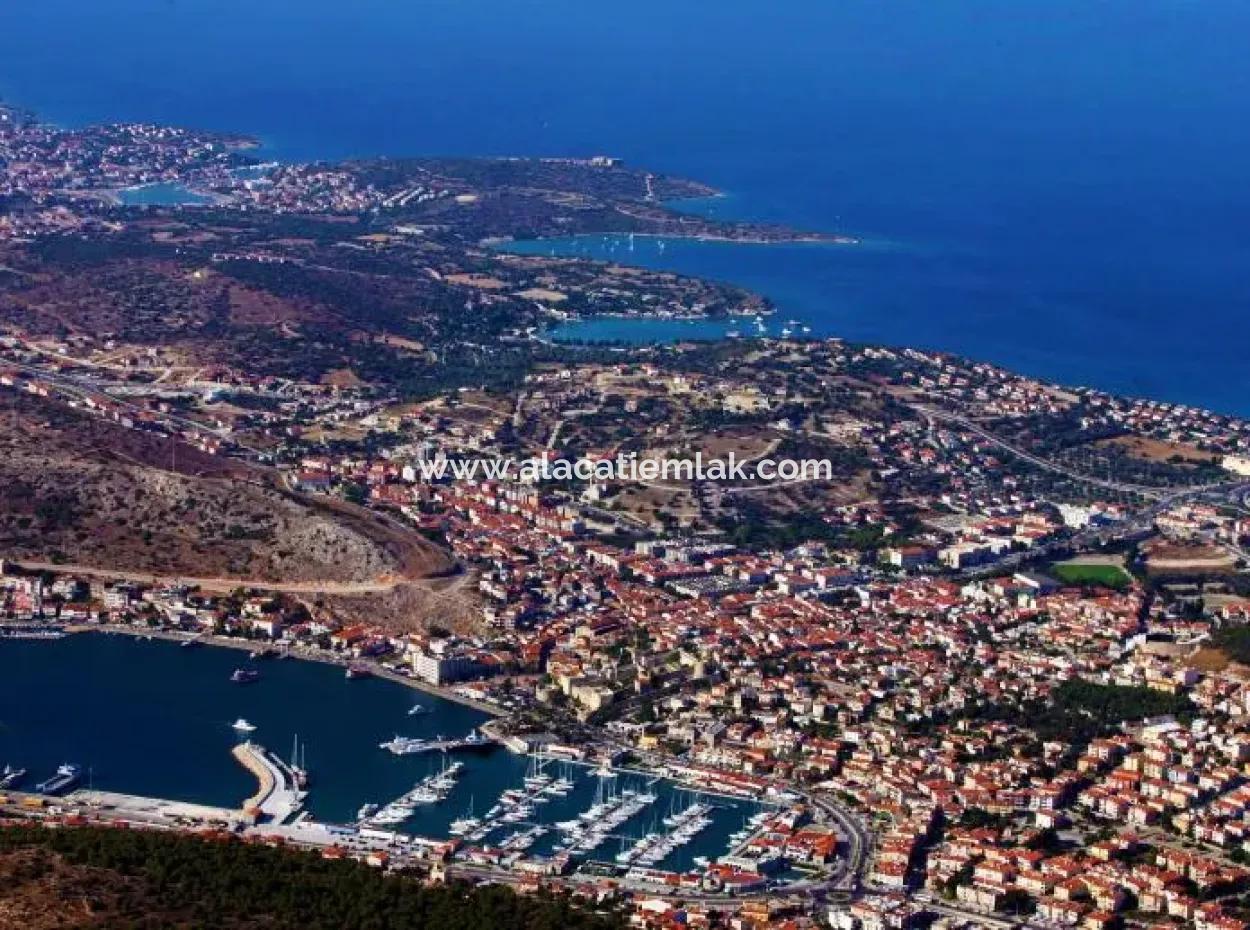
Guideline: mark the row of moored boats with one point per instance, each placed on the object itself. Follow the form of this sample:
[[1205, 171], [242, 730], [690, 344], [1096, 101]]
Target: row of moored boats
[[431, 790]]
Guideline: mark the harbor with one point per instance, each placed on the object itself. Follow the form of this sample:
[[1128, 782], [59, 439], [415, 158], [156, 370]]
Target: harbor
[[213, 767], [280, 795]]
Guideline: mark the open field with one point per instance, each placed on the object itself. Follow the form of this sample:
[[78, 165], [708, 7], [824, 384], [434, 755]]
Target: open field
[[1156, 450], [1094, 574]]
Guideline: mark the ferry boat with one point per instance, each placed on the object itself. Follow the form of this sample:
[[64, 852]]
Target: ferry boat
[[243, 726], [405, 745], [11, 777], [408, 745], [244, 676], [66, 777]]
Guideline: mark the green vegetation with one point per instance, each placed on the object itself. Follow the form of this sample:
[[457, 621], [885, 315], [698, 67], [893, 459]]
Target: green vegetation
[[1092, 575], [1115, 704], [1080, 710], [187, 881], [1234, 641], [977, 818]]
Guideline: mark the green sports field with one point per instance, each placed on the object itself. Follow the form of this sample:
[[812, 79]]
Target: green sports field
[[1083, 573]]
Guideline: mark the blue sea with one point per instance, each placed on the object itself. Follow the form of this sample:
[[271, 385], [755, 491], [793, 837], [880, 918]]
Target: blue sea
[[1054, 185], [151, 718]]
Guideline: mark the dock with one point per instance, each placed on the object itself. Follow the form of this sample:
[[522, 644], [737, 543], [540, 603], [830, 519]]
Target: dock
[[138, 810], [278, 797]]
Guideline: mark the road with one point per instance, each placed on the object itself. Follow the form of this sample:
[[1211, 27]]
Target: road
[[85, 391], [1150, 491], [220, 583], [1233, 493]]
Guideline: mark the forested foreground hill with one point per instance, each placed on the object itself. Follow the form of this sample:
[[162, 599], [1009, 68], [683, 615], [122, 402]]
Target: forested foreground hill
[[98, 877]]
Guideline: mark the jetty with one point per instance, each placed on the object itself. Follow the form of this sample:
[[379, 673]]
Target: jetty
[[279, 796]]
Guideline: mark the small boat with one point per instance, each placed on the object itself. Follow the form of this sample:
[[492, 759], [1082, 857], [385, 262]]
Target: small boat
[[417, 709], [11, 777], [191, 643], [66, 777], [355, 672], [243, 726], [244, 676], [366, 811], [464, 825]]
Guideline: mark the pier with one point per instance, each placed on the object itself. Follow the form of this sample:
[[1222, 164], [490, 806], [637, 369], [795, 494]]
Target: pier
[[279, 796]]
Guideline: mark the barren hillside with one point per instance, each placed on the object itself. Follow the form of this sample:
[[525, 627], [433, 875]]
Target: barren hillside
[[83, 492]]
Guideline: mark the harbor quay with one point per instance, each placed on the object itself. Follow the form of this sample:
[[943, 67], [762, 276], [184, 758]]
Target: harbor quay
[[280, 795], [496, 845], [439, 793]]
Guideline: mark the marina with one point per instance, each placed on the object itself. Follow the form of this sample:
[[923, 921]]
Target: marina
[[433, 789], [153, 692]]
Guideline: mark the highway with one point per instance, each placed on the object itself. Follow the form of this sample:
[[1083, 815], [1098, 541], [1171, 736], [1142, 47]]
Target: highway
[[1233, 493], [1145, 490], [72, 386]]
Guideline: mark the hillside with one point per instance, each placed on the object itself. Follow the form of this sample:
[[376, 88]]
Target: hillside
[[77, 490], [101, 878]]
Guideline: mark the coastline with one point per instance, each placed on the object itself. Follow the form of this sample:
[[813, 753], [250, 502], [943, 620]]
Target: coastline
[[207, 198], [227, 642], [795, 238]]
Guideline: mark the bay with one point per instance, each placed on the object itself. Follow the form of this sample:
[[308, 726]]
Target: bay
[[149, 717], [1054, 185]]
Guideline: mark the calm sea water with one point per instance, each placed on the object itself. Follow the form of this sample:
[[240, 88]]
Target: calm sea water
[[152, 718], [1056, 185], [160, 195]]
